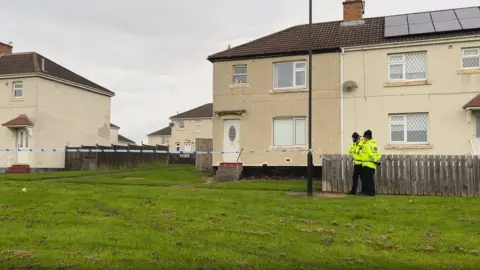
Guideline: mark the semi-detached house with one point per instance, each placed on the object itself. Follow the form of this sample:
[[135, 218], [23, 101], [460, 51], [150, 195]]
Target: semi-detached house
[[43, 105], [412, 79]]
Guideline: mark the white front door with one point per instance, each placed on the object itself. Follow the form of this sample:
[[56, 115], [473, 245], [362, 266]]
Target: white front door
[[188, 147], [231, 140], [22, 145]]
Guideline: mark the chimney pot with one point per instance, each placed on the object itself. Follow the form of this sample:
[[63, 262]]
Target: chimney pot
[[353, 10]]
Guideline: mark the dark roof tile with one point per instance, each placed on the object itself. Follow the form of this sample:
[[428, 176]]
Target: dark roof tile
[[162, 132], [20, 63], [327, 36], [203, 111], [122, 138]]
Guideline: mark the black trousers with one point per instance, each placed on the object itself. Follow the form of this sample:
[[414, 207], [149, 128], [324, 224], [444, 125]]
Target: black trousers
[[357, 173], [368, 181]]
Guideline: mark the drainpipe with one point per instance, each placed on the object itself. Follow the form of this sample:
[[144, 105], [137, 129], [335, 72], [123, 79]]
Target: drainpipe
[[341, 107]]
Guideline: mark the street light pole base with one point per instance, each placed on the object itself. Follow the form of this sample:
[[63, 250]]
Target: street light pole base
[[310, 174]]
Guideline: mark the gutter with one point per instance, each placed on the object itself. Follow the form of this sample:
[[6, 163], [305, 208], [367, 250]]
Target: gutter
[[414, 43], [214, 59], [192, 118], [53, 78]]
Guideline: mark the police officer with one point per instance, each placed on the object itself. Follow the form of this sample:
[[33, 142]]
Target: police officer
[[354, 150], [370, 159]]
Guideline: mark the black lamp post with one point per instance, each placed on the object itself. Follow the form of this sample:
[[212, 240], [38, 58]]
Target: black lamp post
[[310, 154]]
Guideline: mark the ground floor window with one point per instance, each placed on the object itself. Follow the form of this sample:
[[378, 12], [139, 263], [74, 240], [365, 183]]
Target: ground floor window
[[409, 128], [289, 132]]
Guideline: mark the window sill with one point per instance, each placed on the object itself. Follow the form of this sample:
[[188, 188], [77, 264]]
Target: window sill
[[288, 148], [408, 146], [239, 85], [406, 83], [16, 100], [468, 71], [289, 90]]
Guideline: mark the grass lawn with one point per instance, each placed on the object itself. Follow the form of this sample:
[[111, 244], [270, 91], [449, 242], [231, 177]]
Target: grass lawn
[[75, 174], [144, 220]]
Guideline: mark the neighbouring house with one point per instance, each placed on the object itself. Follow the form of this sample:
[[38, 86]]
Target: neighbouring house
[[124, 141], [160, 137], [405, 77], [190, 125], [46, 106], [118, 139]]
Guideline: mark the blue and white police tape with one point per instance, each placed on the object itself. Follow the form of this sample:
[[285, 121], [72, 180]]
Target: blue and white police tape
[[95, 150]]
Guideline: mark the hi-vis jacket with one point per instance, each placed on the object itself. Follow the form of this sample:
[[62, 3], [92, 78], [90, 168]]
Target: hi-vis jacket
[[370, 154], [355, 150]]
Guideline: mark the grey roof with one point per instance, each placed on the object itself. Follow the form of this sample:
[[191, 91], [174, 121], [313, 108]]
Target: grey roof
[[327, 37], [31, 62]]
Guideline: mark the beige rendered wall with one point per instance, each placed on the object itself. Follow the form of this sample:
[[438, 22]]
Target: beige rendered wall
[[70, 116], [189, 132], [10, 108], [262, 105], [113, 135], [157, 140], [442, 98]]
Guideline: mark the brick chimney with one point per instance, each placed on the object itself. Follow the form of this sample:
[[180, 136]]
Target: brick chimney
[[353, 10], [5, 48]]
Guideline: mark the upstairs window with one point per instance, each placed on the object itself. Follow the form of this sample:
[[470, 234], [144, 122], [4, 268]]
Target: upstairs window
[[471, 58], [289, 75], [407, 67], [181, 125], [240, 74], [198, 125], [17, 90]]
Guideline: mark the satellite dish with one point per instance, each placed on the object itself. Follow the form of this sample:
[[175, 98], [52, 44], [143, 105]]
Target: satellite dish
[[349, 86]]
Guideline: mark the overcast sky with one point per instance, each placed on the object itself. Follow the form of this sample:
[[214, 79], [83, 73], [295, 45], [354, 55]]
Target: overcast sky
[[152, 53]]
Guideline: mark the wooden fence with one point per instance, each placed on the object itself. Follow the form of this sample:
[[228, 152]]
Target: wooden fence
[[203, 162], [80, 161], [409, 175]]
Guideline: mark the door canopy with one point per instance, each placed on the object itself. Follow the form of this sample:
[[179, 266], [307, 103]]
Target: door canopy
[[19, 122]]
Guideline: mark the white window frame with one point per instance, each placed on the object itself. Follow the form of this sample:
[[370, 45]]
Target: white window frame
[[15, 89], [405, 130], [198, 125], [181, 124], [464, 57], [295, 70], [404, 66], [294, 131], [164, 140], [240, 74]]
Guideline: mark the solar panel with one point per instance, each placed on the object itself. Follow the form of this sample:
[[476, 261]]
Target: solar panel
[[471, 23], [433, 22], [445, 26], [419, 18], [444, 15], [421, 28], [395, 31], [396, 20], [466, 13]]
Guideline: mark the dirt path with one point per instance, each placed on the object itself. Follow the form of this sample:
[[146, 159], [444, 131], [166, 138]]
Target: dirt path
[[83, 177]]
